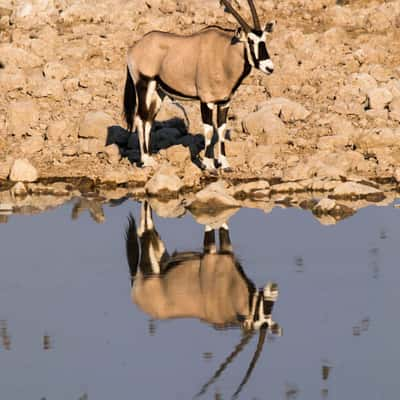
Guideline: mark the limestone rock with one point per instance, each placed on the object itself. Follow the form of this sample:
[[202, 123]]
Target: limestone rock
[[357, 190], [266, 126], [325, 205], [177, 154], [42, 87], [12, 80], [365, 82], [19, 189], [94, 125], [215, 195], [394, 108], [33, 145], [57, 131], [257, 189], [173, 208], [55, 70], [15, 56], [287, 110], [379, 98], [21, 116], [164, 181], [91, 146], [113, 154], [5, 167], [22, 170]]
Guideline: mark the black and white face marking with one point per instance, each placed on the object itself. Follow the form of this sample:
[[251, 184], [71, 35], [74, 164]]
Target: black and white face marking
[[257, 49]]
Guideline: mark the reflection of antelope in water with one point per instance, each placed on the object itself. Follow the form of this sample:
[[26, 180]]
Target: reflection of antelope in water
[[209, 285]]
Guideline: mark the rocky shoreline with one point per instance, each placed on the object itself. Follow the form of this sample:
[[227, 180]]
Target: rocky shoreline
[[325, 125]]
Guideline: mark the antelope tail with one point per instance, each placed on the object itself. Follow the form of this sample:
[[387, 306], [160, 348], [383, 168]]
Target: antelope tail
[[132, 247], [129, 100]]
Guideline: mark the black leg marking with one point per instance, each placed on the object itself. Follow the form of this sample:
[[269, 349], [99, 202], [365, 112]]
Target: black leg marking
[[225, 240], [207, 118], [209, 241], [221, 123]]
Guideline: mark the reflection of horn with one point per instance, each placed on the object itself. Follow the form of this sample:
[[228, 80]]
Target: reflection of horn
[[245, 339], [253, 362]]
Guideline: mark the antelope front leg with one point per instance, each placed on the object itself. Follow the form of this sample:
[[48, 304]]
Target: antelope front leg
[[209, 240], [222, 115], [207, 118]]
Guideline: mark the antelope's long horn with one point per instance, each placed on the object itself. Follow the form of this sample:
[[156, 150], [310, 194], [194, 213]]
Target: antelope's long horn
[[253, 362], [245, 339], [254, 14], [239, 18]]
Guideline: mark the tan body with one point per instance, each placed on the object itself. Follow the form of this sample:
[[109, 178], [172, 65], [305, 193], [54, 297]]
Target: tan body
[[209, 288], [210, 73]]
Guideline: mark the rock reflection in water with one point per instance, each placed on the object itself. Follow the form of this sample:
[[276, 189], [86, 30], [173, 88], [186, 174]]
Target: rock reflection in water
[[210, 285]]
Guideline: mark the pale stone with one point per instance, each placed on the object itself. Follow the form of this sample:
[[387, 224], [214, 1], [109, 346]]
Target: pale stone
[[215, 195], [325, 205], [356, 190], [5, 167], [55, 70], [21, 116], [10, 54], [33, 145], [379, 98], [14, 80], [22, 170], [287, 110], [287, 187], [365, 82], [57, 130], [178, 154], [259, 188], [51, 88], [173, 208], [266, 126], [94, 125], [91, 146], [394, 108], [113, 154], [164, 181], [19, 189]]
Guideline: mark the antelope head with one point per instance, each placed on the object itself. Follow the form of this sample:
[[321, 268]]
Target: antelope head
[[255, 39]]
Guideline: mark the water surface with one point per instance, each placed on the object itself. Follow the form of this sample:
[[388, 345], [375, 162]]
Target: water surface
[[69, 329]]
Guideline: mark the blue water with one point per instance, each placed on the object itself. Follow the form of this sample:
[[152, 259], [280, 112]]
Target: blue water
[[69, 329]]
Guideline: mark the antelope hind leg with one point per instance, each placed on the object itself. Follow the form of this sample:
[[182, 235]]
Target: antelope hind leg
[[208, 162]]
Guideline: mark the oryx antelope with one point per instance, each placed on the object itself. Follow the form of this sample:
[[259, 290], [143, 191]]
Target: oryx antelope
[[207, 66], [209, 285]]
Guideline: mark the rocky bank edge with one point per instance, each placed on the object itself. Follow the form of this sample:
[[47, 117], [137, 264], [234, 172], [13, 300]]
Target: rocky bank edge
[[329, 115]]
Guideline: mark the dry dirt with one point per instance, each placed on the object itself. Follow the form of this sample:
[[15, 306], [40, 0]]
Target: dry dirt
[[330, 112]]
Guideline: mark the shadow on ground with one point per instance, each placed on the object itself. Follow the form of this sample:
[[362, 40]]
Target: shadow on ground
[[163, 135]]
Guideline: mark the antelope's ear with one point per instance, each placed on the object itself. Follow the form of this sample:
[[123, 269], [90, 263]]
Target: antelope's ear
[[239, 36], [269, 26]]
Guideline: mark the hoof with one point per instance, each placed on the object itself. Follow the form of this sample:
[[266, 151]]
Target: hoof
[[212, 172], [228, 170]]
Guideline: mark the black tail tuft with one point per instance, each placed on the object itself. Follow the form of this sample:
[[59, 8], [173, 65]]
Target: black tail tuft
[[132, 246], [129, 100], [1, 65]]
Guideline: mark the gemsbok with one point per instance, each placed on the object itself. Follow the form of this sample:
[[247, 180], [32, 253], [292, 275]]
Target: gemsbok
[[207, 66], [209, 285]]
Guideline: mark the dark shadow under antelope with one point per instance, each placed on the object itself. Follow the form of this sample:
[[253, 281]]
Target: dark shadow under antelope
[[209, 285]]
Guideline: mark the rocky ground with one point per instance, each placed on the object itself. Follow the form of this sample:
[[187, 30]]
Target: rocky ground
[[326, 121]]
